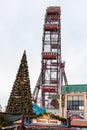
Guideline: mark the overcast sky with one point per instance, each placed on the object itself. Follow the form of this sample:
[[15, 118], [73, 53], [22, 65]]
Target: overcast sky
[[21, 28]]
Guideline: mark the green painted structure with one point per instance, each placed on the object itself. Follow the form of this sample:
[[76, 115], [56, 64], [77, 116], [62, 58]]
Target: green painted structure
[[77, 88]]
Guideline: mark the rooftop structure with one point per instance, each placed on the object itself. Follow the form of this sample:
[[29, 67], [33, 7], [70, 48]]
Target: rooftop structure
[[78, 88]]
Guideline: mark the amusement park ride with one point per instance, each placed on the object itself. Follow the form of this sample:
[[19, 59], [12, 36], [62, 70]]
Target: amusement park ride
[[52, 77]]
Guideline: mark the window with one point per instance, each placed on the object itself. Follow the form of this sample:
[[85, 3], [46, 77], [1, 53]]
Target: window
[[75, 103]]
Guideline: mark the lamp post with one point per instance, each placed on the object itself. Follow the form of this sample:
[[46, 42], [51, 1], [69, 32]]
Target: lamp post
[[22, 122]]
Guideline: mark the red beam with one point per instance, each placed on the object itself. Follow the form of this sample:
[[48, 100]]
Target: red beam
[[49, 89]]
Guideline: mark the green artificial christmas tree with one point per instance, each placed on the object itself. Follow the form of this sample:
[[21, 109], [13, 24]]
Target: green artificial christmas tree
[[20, 100]]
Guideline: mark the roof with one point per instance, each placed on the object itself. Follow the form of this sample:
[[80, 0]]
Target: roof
[[38, 110], [75, 88], [11, 118], [79, 123]]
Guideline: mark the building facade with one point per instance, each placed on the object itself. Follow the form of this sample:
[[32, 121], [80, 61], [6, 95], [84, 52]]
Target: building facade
[[73, 101]]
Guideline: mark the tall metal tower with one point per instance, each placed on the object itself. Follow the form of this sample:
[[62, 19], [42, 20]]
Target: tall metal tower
[[52, 75]]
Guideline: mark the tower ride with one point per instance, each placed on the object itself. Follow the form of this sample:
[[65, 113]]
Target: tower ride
[[52, 75]]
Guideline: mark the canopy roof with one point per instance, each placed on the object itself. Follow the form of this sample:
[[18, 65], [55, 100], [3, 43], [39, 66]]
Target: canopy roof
[[75, 88]]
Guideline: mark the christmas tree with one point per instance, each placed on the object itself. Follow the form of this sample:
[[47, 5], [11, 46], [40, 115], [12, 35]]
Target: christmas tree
[[20, 100]]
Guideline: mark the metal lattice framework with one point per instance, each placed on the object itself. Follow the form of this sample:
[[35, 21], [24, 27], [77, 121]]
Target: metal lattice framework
[[52, 75]]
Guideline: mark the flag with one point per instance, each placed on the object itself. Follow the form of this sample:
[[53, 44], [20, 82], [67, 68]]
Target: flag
[[69, 113]]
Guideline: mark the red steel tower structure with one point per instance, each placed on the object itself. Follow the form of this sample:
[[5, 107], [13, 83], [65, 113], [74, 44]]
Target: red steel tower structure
[[52, 75]]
